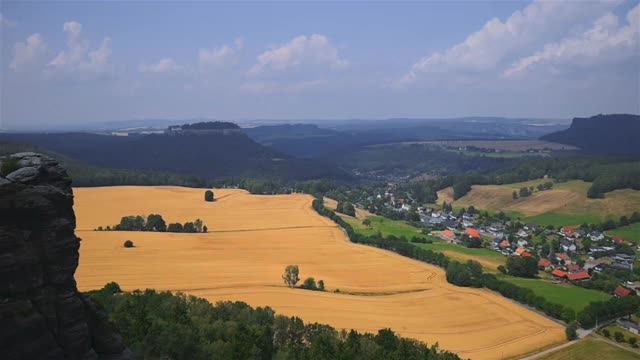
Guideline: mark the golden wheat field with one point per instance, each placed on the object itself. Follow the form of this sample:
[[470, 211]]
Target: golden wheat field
[[251, 240]]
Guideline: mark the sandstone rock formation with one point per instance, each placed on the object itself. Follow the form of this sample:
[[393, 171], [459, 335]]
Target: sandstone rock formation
[[42, 314]]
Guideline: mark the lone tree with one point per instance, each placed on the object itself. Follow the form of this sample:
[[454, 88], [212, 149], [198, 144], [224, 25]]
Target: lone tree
[[290, 275], [366, 222], [128, 244], [208, 195], [321, 285], [571, 331]]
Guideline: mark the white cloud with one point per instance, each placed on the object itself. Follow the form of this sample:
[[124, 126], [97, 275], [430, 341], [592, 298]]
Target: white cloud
[[28, 53], [605, 42], [301, 51], [4, 22], [220, 56], [77, 57], [496, 40], [166, 65]]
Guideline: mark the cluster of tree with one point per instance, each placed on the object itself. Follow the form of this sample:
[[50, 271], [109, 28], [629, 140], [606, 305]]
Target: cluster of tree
[[545, 186], [525, 192], [571, 331], [608, 280], [464, 274], [600, 311], [469, 274], [346, 208], [522, 266], [461, 188], [620, 179], [291, 277], [310, 284], [446, 207], [471, 241], [162, 325], [611, 224], [155, 222], [619, 337]]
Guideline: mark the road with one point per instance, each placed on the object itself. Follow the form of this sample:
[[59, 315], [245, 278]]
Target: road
[[582, 333]]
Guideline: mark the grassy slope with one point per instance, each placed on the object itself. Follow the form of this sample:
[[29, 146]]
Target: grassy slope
[[565, 204], [488, 258], [630, 232], [567, 295], [591, 349]]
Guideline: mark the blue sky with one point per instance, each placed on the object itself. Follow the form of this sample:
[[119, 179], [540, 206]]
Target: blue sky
[[74, 62]]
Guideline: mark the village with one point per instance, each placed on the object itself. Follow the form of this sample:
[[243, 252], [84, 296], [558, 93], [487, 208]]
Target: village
[[566, 254]]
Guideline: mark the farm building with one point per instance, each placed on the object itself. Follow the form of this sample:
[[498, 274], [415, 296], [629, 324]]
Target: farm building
[[544, 263], [620, 291], [578, 276]]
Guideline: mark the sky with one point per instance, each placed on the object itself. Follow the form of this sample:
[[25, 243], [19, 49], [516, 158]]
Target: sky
[[84, 62]]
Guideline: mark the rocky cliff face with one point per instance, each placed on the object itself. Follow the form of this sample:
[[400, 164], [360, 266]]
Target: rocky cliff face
[[42, 314]]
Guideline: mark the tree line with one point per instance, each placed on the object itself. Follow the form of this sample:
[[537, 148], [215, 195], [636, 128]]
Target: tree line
[[155, 222], [162, 325]]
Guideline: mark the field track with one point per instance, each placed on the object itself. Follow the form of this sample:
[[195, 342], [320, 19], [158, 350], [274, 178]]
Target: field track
[[254, 237]]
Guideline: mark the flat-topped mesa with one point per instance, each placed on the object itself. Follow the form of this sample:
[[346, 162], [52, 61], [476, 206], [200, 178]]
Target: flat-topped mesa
[[43, 315]]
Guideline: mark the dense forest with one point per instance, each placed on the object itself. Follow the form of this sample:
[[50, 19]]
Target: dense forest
[[87, 175], [162, 325], [209, 155]]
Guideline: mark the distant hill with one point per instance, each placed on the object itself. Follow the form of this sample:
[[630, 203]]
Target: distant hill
[[615, 134], [331, 138], [208, 155]]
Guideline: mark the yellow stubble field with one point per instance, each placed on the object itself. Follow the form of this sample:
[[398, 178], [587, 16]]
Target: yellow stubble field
[[251, 240]]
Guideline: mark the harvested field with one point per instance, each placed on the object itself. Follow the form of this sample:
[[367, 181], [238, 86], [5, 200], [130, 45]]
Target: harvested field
[[569, 198], [251, 240]]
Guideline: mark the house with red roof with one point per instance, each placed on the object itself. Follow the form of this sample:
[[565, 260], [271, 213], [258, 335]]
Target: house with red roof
[[563, 256], [567, 229], [522, 233], [617, 239], [450, 235], [620, 291], [504, 243], [578, 276], [559, 273], [472, 232], [572, 268], [544, 263], [526, 254]]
